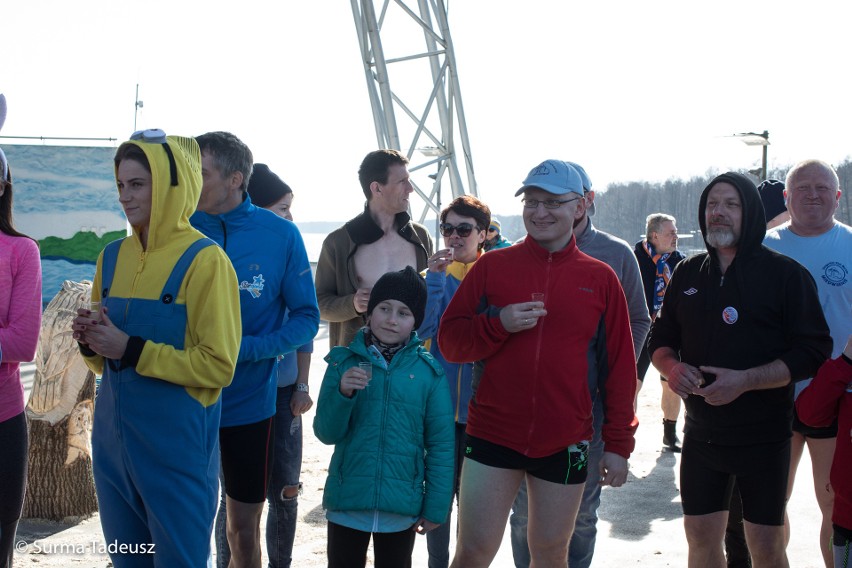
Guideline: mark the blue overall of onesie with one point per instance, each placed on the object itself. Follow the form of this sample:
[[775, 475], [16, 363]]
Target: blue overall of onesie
[[155, 448]]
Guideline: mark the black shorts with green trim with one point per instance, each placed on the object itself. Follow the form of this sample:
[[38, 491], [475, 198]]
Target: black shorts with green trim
[[565, 467]]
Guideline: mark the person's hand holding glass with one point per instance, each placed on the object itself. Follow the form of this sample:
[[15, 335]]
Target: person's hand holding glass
[[524, 315]]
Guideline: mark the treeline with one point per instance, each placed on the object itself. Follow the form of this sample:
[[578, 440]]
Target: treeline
[[621, 209]]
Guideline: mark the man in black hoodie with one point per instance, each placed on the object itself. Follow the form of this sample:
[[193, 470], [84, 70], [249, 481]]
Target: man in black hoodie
[[738, 326]]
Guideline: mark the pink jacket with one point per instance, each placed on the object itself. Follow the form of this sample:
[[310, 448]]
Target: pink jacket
[[20, 317]]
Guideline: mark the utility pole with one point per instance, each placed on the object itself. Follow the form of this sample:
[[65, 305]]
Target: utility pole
[[755, 139]]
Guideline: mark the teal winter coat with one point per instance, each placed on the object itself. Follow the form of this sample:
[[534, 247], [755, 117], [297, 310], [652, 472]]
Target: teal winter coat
[[394, 440]]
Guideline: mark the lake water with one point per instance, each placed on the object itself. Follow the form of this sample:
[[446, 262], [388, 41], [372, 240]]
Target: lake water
[[54, 272]]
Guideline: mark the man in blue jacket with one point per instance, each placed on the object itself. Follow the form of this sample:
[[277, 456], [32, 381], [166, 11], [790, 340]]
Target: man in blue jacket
[[274, 276]]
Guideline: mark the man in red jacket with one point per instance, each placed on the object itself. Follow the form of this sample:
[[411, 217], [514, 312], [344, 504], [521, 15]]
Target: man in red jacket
[[531, 416]]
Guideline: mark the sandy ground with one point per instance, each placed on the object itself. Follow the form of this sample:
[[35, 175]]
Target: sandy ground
[[640, 523]]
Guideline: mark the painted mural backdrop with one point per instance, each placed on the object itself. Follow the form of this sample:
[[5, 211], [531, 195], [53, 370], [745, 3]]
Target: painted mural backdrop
[[65, 197]]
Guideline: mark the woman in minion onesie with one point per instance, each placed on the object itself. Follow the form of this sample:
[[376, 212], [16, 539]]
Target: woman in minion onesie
[[166, 341]]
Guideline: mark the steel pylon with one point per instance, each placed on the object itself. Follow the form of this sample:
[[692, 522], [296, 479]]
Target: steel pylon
[[418, 83]]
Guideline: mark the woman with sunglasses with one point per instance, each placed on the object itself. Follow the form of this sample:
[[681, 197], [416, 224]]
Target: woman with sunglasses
[[20, 320], [463, 226]]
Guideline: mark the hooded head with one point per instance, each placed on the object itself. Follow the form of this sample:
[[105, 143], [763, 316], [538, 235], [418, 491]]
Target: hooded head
[[175, 165], [753, 227], [772, 196]]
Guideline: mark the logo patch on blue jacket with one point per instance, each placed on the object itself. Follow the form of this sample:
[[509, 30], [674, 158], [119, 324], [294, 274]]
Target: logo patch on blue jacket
[[255, 288]]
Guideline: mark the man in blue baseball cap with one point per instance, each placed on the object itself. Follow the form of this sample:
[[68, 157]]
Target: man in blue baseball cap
[[619, 256], [536, 335]]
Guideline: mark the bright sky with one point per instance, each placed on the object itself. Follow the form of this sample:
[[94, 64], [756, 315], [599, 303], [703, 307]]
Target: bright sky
[[630, 90]]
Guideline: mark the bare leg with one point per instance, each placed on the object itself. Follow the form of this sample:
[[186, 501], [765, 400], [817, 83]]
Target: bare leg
[[670, 403], [553, 510], [244, 533], [705, 535], [822, 453], [766, 544], [485, 498], [797, 446]]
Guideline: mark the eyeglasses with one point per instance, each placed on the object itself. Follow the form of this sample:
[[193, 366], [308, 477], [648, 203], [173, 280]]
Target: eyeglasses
[[463, 229], [548, 203]]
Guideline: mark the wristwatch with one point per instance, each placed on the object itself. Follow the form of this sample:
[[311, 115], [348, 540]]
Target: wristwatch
[[302, 387]]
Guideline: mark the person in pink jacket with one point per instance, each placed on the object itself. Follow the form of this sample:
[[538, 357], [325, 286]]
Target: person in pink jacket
[[20, 319], [826, 399]]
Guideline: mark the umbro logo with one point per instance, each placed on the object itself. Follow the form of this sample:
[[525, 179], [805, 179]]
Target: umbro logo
[[691, 291]]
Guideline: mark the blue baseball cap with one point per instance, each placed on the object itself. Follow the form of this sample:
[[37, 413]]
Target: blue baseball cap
[[587, 185], [554, 176]]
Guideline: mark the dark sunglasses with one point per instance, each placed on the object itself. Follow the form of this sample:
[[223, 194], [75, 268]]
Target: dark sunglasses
[[464, 229]]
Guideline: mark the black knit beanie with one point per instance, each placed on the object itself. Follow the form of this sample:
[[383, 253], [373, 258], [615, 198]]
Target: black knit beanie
[[405, 286], [265, 188], [772, 196]]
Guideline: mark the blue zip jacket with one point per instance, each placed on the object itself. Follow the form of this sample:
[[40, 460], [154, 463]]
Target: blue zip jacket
[[441, 286], [274, 276]]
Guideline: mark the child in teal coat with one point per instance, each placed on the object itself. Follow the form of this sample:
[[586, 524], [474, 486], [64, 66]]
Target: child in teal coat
[[391, 474]]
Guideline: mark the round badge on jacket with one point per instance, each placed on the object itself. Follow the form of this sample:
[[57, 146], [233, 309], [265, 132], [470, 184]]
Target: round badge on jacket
[[730, 315]]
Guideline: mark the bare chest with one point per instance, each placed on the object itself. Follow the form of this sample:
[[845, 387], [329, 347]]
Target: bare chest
[[390, 253]]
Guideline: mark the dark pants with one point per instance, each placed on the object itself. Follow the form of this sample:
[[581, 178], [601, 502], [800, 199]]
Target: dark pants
[[438, 539], [736, 549], [347, 548], [13, 481]]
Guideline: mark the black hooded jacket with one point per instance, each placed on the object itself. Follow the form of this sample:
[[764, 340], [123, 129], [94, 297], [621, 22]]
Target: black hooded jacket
[[764, 308]]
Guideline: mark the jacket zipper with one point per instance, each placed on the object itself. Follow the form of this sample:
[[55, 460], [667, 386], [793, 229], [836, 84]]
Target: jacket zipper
[[537, 359]]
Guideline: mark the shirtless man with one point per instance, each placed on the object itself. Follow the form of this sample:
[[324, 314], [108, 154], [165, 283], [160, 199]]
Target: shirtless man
[[381, 239]]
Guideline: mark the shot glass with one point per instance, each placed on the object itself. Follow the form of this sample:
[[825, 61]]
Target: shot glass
[[451, 252], [95, 308], [367, 367], [538, 297]]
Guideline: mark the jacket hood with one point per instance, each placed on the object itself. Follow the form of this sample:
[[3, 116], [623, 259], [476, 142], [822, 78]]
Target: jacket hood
[[753, 220], [175, 186]]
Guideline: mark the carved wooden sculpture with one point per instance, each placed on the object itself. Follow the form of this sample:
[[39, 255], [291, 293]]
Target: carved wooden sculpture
[[59, 413]]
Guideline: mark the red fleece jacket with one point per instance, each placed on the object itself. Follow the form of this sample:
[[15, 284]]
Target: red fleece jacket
[[829, 396], [533, 396]]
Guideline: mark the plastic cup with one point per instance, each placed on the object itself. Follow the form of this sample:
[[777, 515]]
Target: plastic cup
[[451, 254], [538, 297], [367, 368]]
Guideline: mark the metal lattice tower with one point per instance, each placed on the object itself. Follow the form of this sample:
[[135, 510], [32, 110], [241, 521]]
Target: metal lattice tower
[[425, 91]]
